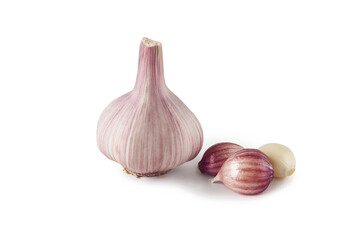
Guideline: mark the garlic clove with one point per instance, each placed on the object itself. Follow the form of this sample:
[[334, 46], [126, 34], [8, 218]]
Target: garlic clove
[[281, 157], [149, 130], [215, 156], [247, 172]]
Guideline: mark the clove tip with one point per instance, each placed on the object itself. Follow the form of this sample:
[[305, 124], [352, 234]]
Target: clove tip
[[216, 179]]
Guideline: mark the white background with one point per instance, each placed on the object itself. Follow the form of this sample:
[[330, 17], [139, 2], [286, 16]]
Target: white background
[[253, 72]]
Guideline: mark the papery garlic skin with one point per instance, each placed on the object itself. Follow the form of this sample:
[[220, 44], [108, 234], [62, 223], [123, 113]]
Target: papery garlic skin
[[281, 157], [247, 172], [149, 130], [215, 156]]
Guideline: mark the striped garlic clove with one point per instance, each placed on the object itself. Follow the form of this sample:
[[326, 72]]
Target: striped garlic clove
[[248, 172], [149, 130], [215, 156], [281, 158]]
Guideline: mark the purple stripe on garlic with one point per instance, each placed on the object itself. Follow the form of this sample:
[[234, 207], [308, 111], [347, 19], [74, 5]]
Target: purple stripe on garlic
[[149, 130], [215, 156], [248, 172]]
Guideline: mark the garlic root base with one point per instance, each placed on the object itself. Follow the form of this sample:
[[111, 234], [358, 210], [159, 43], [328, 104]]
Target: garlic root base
[[155, 174]]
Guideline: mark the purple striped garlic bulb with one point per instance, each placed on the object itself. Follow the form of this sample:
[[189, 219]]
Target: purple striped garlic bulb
[[215, 156], [149, 130], [248, 172]]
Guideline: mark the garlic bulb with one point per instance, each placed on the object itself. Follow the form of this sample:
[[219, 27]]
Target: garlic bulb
[[149, 130], [281, 157], [247, 171], [215, 156]]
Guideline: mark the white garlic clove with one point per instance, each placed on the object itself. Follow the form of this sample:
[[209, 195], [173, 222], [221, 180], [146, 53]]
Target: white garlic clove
[[149, 130], [281, 157], [215, 156], [248, 172]]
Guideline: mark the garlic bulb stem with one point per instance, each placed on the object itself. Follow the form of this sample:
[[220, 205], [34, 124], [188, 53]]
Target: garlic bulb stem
[[150, 78]]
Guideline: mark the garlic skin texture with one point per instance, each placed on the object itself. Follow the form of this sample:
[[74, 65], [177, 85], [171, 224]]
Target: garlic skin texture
[[247, 172], [281, 157], [215, 156], [149, 130]]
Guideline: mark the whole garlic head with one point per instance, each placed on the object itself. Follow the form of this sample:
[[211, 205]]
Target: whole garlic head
[[281, 158], [149, 130]]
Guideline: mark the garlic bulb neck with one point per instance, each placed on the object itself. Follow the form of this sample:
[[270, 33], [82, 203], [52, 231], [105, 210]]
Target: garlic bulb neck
[[150, 78]]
